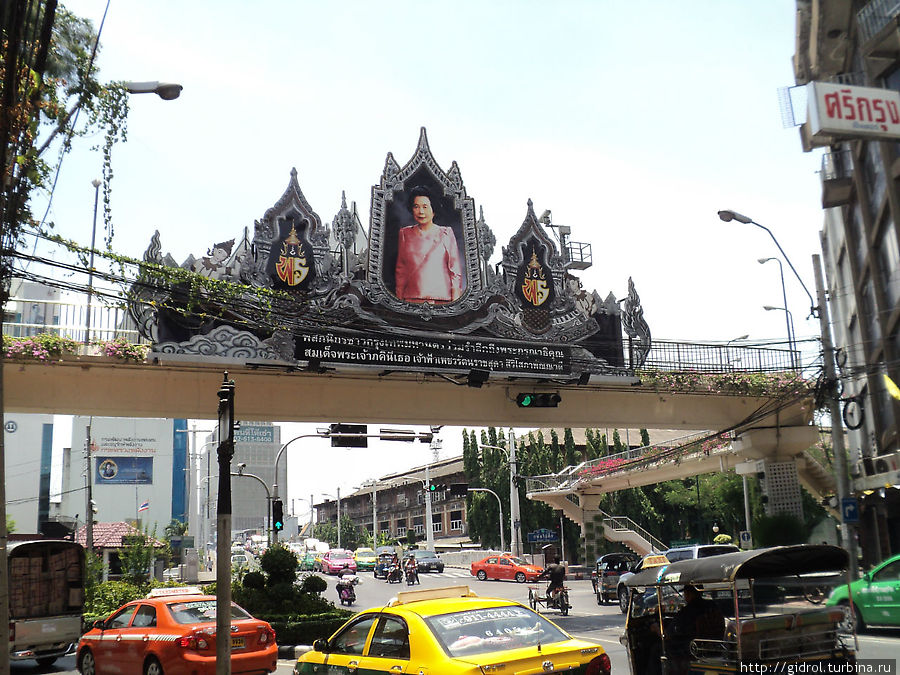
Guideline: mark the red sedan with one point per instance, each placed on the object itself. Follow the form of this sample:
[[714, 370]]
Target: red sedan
[[173, 631], [506, 567]]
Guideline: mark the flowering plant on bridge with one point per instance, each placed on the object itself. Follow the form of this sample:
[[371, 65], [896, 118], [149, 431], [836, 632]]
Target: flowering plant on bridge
[[122, 349], [731, 383], [43, 347]]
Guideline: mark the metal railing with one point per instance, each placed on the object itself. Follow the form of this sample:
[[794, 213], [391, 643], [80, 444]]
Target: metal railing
[[875, 16], [635, 459], [27, 317], [626, 524], [718, 358]]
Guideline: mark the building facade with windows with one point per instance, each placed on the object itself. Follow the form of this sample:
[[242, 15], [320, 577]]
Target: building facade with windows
[[400, 505], [857, 44]]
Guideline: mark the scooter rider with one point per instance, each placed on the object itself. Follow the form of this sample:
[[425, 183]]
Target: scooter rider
[[412, 571], [556, 573]]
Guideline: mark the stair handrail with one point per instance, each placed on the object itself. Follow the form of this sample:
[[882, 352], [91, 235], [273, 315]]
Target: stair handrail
[[615, 523]]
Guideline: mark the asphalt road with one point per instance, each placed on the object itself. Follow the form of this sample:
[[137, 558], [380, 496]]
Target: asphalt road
[[602, 624]]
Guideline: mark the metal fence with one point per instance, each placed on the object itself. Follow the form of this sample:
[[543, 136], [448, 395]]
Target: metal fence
[[718, 358], [27, 317]]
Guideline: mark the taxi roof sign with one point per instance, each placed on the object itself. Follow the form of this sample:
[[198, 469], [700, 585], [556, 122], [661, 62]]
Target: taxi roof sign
[[405, 597], [175, 590], [655, 561]]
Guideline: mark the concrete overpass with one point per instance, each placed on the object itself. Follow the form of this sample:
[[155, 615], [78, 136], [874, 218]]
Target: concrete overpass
[[97, 385]]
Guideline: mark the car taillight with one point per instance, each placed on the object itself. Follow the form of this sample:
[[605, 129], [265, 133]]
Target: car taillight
[[196, 641], [599, 665], [266, 635]]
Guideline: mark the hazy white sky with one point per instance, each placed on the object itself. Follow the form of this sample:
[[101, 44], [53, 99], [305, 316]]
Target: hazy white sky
[[633, 122]]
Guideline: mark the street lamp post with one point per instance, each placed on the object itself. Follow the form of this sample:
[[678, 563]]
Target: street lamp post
[[792, 336], [338, 514], [515, 540], [500, 506], [728, 215], [789, 322], [90, 293]]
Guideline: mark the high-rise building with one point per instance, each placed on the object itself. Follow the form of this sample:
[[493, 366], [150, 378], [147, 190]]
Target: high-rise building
[[256, 446], [28, 442], [137, 468], [842, 47]]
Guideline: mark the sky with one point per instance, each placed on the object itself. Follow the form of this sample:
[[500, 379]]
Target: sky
[[634, 123]]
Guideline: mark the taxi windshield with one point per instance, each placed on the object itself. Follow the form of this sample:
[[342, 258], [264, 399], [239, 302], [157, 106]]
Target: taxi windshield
[[478, 631], [201, 611], [519, 561]]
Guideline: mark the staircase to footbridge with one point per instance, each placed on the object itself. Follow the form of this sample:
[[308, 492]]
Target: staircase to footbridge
[[576, 490]]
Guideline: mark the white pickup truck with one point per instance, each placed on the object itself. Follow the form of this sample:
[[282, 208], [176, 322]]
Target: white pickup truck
[[46, 598]]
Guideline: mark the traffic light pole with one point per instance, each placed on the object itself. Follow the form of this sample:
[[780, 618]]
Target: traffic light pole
[[514, 516], [385, 435], [223, 528]]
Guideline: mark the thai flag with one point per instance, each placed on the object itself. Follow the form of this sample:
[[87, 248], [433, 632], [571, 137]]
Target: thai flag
[[144, 507]]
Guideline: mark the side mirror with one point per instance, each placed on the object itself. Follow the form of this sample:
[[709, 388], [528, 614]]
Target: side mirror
[[320, 646], [99, 623], [868, 577]]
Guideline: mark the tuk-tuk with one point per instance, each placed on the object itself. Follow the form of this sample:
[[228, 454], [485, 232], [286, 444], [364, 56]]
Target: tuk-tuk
[[748, 607], [383, 564]]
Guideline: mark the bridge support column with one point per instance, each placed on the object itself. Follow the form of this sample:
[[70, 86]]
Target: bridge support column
[[592, 537], [777, 451]]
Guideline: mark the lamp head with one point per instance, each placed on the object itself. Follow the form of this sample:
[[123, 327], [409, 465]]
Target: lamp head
[[727, 215]]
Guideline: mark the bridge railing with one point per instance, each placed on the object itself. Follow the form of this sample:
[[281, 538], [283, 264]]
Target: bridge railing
[[27, 317], [719, 358], [629, 460]]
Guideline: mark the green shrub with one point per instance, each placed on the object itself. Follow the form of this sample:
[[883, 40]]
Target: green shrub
[[109, 596], [313, 584], [254, 580], [280, 565], [780, 529], [292, 630]]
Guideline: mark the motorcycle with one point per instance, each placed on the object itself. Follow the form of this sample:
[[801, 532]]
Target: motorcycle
[[412, 576], [394, 574], [345, 590]]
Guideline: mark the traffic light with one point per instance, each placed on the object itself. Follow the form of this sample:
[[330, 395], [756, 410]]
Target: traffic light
[[359, 439], [535, 400], [435, 487], [277, 515], [459, 489]]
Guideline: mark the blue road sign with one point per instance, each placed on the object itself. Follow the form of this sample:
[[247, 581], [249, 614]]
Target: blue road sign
[[542, 535], [850, 510]]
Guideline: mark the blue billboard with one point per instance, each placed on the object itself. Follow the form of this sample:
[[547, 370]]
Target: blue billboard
[[124, 470]]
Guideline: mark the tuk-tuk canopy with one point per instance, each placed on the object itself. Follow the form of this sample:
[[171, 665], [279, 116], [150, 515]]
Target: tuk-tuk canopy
[[778, 561]]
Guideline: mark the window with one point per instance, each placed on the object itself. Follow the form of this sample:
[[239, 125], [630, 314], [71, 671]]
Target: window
[[122, 618], [401, 530], [455, 525], [391, 639], [352, 640], [145, 617], [419, 528], [200, 611], [437, 527]]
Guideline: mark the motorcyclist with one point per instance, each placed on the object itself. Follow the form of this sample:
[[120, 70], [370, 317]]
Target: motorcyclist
[[556, 573], [412, 571], [394, 571]]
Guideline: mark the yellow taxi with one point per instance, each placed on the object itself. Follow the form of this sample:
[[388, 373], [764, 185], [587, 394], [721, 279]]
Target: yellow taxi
[[365, 559], [451, 631], [173, 631]]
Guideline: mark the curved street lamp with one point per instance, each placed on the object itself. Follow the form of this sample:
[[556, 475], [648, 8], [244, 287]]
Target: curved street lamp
[[727, 215]]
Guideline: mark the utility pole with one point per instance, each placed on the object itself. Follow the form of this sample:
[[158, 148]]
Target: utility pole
[[514, 516], [848, 533], [223, 528], [374, 515], [88, 492], [429, 533], [339, 515]]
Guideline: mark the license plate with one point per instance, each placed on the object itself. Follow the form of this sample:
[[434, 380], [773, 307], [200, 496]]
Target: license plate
[[237, 643]]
